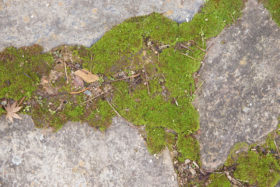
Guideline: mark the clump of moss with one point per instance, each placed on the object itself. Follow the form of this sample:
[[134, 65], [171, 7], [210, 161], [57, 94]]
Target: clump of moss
[[21, 70], [274, 8], [235, 151], [256, 169], [164, 101], [188, 148], [146, 64], [219, 179], [257, 164]]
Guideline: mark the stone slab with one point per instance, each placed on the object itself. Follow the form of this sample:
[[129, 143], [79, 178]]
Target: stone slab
[[78, 155], [240, 98], [55, 22]]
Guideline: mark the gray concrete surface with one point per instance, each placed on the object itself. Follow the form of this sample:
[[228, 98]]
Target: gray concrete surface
[[240, 98], [78, 155], [54, 22]]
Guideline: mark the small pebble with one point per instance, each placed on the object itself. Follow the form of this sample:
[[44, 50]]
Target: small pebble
[[4, 103], [16, 160], [88, 93]]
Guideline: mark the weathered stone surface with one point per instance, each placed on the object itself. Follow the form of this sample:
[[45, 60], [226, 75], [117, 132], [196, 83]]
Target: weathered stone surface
[[54, 22], [78, 155], [240, 98]]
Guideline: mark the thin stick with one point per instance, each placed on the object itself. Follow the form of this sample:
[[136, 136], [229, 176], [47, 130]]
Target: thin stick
[[186, 47], [20, 102], [164, 46], [198, 88], [231, 179], [190, 56], [147, 81], [92, 98], [65, 69], [175, 101], [132, 76], [195, 44], [72, 93], [276, 148], [113, 108], [200, 48]]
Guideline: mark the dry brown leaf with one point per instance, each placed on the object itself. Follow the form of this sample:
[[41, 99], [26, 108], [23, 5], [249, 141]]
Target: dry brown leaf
[[12, 112], [86, 76]]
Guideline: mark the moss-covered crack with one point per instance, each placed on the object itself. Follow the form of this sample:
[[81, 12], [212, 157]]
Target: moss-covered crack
[[147, 68]]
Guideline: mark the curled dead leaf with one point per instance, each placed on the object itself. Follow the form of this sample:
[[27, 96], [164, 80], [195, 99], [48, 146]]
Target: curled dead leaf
[[86, 75], [12, 112]]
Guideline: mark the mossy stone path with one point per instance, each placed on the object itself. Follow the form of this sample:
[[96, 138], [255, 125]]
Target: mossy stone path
[[147, 73]]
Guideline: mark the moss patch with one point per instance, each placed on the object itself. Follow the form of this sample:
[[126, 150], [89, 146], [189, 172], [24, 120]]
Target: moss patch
[[21, 70], [188, 148], [273, 7], [259, 165], [219, 179], [146, 67], [258, 169]]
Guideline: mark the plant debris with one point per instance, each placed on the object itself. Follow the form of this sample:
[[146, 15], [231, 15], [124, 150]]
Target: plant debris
[[12, 110], [87, 76]]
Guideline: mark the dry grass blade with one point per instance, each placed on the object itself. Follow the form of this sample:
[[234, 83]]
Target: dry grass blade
[[12, 112]]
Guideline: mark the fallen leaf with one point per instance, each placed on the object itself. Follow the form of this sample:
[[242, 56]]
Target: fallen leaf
[[86, 76], [12, 112]]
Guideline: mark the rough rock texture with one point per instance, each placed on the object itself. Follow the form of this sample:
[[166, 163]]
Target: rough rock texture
[[240, 97], [78, 155], [54, 22]]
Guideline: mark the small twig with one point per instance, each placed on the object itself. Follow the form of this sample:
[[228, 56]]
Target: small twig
[[277, 148], [72, 93], [164, 46], [59, 107], [200, 48], [65, 69], [147, 81], [20, 102], [113, 108], [198, 88], [175, 101], [232, 180], [196, 45], [132, 76], [190, 56], [186, 47], [92, 98]]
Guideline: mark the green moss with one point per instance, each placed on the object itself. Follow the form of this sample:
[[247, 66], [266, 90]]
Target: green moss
[[213, 18], [21, 70], [235, 151], [218, 180], [256, 169], [274, 8], [101, 115], [160, 97], [155, 138], [74, 114], [188, 148]]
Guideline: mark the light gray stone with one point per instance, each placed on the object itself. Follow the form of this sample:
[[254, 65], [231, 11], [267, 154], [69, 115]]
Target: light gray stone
[[55, 22], [240, 98], [79, 155]]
